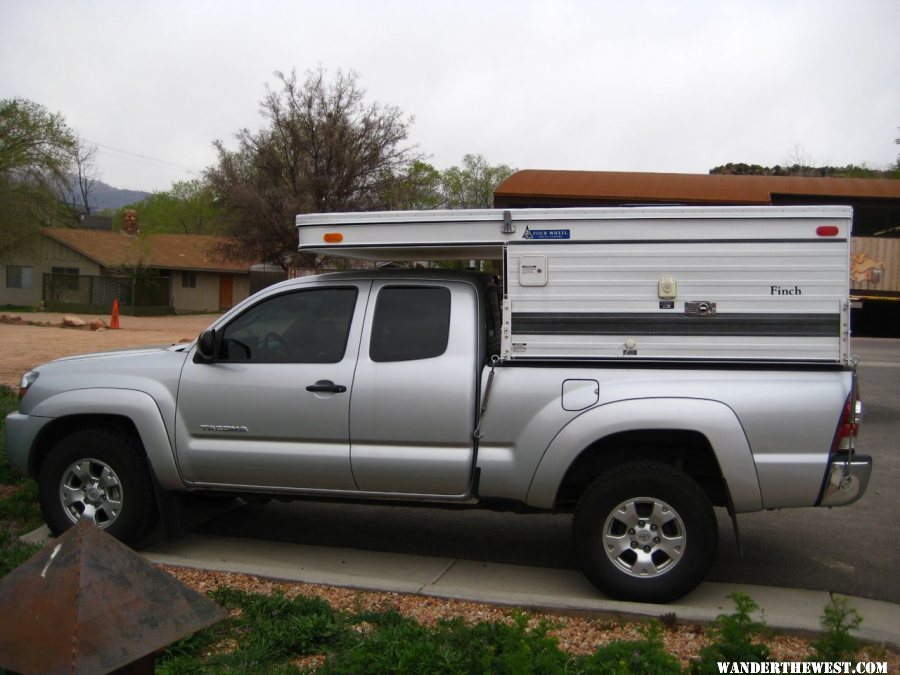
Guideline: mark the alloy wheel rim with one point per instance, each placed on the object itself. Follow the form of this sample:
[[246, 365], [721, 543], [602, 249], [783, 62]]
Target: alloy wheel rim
[[644, 537], [91, 490]]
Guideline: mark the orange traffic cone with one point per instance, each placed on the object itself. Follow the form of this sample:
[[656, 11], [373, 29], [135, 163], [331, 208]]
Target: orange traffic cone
[[114, 319]]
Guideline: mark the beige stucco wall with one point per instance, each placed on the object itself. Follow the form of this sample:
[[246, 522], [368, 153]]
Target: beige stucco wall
[[241, 287], [44, 253], [41, 257], [205, 296]]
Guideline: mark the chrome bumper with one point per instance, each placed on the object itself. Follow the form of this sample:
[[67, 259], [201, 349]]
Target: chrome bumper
[[846, 480]]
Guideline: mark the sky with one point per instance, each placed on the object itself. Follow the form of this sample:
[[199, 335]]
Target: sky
[[654, 85]]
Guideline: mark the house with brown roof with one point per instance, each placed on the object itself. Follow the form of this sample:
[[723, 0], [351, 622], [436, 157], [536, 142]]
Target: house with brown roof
[[86, 270]]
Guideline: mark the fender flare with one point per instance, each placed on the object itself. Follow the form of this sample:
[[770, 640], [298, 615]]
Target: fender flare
[[138, 407], [713, 419]]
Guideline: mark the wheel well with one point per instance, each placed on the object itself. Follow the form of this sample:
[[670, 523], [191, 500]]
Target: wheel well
[[63, 426], [688, 451]]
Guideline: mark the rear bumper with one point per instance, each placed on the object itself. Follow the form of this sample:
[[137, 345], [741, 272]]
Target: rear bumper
[[846, 479]]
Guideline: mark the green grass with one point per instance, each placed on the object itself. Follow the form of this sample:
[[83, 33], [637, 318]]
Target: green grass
[[17, 309], [19, 512], [273, 634]]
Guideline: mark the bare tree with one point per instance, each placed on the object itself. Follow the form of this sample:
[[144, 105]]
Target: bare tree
[[322, 148], [798, 162], [84, 158], [74, 189]]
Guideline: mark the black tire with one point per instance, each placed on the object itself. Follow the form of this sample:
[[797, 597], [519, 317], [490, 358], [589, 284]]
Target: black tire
[[104, 472], [645, 532]]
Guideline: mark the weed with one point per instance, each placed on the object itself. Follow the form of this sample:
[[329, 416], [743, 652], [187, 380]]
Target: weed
[[265, 635], [838, 621], [638, 657], [9, 401], [19, 506], [18, 500], [669, 620], [13, 551], [736, 637], [401, 645]]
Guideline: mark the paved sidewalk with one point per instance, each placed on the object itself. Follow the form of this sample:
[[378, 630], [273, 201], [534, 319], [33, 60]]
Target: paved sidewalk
[[514, 585], [528, 587]]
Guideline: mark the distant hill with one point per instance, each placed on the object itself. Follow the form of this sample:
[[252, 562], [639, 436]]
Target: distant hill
[[105, 196]]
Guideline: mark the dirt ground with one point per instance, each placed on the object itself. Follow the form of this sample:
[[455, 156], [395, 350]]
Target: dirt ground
[[22, 347]]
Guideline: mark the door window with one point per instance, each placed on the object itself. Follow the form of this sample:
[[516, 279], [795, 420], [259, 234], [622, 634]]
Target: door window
[[410, 323], [309, 326]]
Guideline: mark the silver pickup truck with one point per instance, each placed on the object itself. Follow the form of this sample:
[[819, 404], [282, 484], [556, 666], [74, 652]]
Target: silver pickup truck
[[390, 385]]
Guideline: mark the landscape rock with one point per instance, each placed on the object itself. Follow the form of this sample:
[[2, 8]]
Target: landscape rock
[[97, 324], [73, 321]]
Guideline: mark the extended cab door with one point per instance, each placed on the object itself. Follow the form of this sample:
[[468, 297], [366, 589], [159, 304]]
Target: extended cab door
[[414, 396], [272, 411]]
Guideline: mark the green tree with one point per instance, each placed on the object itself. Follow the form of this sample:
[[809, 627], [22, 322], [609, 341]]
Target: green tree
[[36, 154], [472, 185], [418, 186], [188, 207], [321, 148]]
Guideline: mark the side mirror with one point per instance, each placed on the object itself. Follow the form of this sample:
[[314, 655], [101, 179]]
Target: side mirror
[[206, 347]]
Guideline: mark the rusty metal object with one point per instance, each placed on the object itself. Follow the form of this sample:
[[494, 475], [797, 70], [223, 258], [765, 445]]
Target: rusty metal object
[[87, 603]]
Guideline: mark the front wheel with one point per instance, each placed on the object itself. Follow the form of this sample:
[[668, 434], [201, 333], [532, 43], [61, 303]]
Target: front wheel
[[100, 475], [645, 532]]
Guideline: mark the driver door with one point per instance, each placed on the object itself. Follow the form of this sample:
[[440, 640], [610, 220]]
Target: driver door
[[272, 410]]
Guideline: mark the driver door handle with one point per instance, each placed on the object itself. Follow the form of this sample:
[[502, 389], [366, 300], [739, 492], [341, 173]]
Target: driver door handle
[[326, 386]]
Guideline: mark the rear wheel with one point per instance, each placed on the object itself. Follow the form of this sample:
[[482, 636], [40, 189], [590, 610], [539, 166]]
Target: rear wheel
[[100, 475], [645, 532]]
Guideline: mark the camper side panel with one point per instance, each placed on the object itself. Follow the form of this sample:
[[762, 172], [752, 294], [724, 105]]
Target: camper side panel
[[728, 300]]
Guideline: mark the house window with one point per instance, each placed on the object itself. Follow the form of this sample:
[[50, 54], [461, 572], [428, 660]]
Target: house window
[[19, 277], [189, 280], [69, 280]]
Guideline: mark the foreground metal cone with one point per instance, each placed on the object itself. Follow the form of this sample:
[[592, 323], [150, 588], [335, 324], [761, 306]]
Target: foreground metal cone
[[87, 603]]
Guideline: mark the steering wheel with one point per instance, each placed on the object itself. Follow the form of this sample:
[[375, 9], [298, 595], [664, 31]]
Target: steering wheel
[[276, 344]]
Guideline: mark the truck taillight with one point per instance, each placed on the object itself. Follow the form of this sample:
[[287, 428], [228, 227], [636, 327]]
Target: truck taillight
[[845, 436]]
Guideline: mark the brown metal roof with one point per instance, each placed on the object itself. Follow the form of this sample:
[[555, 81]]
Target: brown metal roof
[[87, 603], [162, 251], [685, 188]]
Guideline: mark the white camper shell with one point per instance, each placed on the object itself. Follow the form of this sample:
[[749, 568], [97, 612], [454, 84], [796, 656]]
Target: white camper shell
[[726, 284]]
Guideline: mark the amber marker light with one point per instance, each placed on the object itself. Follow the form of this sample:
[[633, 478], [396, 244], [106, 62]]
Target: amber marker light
[[333, 237]]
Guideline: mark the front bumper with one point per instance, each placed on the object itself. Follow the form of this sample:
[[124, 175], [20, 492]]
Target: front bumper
[[20, 433], [846, 479]]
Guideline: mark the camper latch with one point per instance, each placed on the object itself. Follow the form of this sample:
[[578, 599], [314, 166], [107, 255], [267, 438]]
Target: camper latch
[[700, 308], [508, 227]]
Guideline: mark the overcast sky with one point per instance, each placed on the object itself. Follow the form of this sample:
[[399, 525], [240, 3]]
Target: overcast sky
[[656, 85]]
